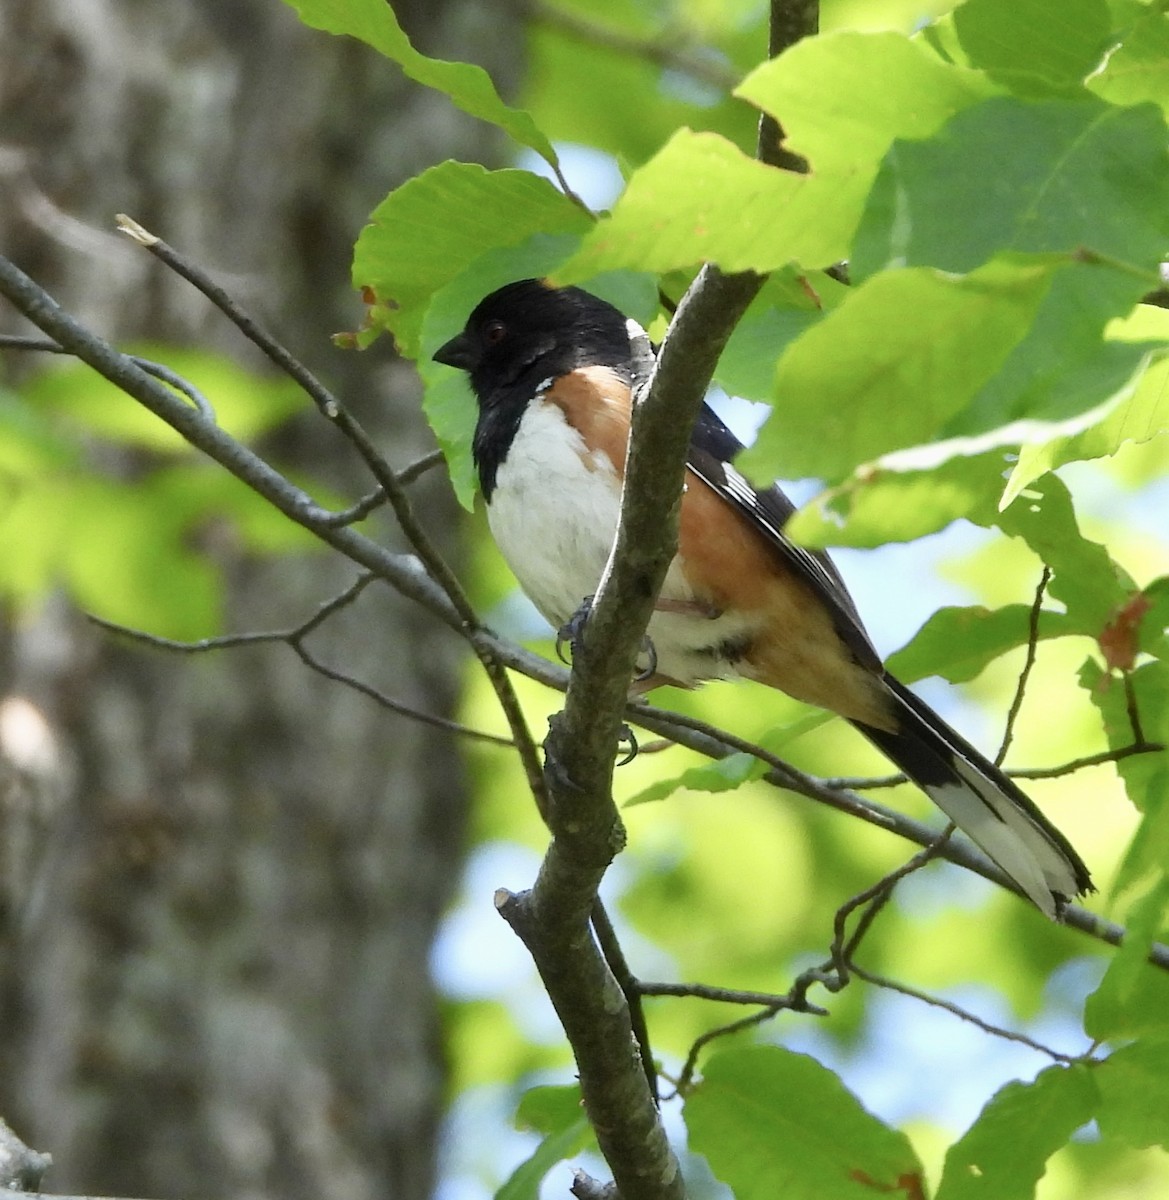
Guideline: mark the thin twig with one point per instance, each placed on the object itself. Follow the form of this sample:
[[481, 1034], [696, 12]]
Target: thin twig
[[1134, 716], [375, 499], [333, 410], [627, 982], [158, 370], [686, 1075], [705, 991], [963, 1014], [295, 638], [1089, 760], [1028, 665]]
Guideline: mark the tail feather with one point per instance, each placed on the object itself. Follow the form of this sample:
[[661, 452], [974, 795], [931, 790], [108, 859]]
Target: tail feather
[[987, 806]]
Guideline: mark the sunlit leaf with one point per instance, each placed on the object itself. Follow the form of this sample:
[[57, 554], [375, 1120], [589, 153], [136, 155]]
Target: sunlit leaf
[[721, 775], [634, 104], [892, 365], [903, 496], [774, 1123], [1138, 68], [1085, 578], [732, 210], [789, 303], [958, 643], [1030, 37], [1005, 1152], [1068, 175], [246, 404], [558, 1114], [468, 86], [1145, 692], [1142, 412], [1134, 1091], [126, 559], [844, 97], [1133, 996], [429, 230]]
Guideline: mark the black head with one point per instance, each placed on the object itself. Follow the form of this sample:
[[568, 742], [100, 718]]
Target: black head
[[529, 331], [517, 339]]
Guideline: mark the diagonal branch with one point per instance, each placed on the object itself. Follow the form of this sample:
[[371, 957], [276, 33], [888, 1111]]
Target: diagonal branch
[[387, 480]]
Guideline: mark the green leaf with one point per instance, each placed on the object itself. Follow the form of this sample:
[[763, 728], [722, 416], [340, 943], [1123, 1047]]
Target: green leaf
[[789, 303], [1064, 369], [1145, 776], [774, 1123], [1084, 577], [468, 86], [1138, 68], [431, 229], [1134, 1093], [557, 1113], [1005, 37], [1133, 996], [843, 98], [732, 210], [1068, 175], [722, 775], [959, 643], [902, 496], [1141, 413], [1004, 1153], [889, 367]]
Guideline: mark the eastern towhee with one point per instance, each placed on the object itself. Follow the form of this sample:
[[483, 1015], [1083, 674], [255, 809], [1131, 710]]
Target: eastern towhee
[[554, 370]]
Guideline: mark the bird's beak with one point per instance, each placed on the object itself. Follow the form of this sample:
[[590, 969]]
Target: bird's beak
[[458, 352]]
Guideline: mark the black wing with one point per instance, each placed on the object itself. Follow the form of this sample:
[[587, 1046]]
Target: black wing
[[713, 447]]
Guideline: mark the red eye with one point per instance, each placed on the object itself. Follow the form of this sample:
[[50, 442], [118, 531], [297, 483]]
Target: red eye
[[494, 331]]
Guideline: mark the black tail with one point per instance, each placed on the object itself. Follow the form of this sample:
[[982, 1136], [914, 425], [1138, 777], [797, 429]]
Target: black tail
[[982, 802]]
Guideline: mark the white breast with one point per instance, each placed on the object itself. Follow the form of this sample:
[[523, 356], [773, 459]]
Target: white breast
[[554, 514]]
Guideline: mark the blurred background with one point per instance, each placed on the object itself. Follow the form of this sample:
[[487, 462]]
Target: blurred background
[[247, 945]]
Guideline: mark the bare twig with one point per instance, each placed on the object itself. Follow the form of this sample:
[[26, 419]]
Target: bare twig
[[1028, 665], [10, 341], [331, 408], [961, 1013], [704, 991], [1134, 715], [1089, 760], [630, 988], [295, 638]]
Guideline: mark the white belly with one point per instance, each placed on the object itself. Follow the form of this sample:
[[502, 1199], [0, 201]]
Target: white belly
[[554, 514]]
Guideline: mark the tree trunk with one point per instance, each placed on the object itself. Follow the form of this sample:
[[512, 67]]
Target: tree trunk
[[219, 878]]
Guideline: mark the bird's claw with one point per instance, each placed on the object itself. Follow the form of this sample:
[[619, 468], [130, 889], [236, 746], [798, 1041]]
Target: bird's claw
[[625, 735], [570, 632], [651, 666]]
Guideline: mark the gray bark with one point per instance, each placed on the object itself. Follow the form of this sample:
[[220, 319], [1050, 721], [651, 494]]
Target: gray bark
[[219, 879]]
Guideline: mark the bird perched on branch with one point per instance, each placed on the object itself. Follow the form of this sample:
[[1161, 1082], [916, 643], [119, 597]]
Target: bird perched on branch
[[554, 371]]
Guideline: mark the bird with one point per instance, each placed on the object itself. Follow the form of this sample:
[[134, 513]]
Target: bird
[[555, 372]]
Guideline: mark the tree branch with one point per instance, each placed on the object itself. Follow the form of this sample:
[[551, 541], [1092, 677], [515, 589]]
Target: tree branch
[[388, 482]]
